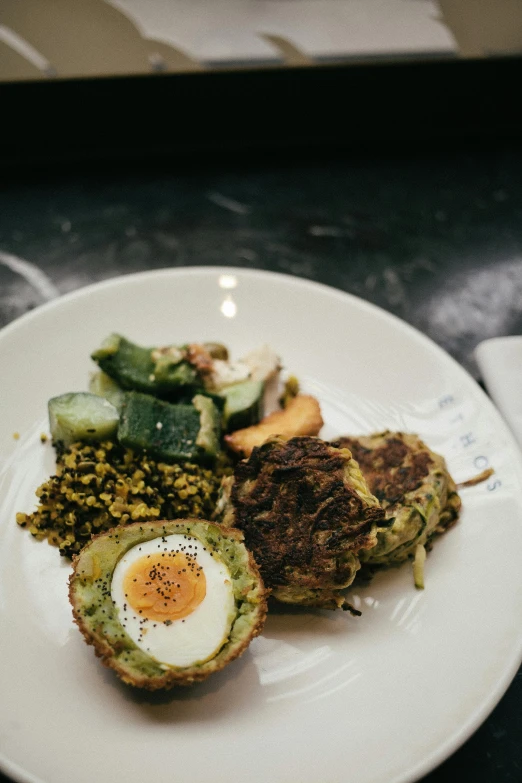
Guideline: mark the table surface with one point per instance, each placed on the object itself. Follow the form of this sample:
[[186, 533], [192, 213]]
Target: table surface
[[434, 236]]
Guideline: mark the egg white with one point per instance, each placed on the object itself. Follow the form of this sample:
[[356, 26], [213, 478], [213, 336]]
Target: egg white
[[195, 638]]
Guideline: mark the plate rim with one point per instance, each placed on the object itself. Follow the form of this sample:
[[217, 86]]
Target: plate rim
[[481, 711], [188, 271]]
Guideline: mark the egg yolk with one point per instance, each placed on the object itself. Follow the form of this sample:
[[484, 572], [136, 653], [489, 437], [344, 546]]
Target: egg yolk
[[166, 586]]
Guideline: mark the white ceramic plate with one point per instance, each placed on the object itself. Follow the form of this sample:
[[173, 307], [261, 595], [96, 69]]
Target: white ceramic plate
[[321, 696]]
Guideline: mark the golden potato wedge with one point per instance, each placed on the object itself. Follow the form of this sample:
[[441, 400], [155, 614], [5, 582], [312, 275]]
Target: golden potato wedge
[[302, 416]]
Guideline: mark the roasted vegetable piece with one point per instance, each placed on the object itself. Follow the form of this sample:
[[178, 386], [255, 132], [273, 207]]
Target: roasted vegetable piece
[[243, 404], [302, 416], [81, 416], [171, 432], [134, 368], [209, 433], [217, 350], [290, 391], [103, 385], [130, 365]]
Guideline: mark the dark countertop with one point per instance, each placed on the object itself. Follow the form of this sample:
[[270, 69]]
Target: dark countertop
[[434, 236]]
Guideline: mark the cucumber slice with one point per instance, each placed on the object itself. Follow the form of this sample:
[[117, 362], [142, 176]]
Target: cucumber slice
[[243, 404], [103, 385], [82, 416], [170, 432]]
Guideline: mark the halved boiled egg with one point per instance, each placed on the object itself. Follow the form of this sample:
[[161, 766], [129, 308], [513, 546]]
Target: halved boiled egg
[[175, 599], [167, 602]]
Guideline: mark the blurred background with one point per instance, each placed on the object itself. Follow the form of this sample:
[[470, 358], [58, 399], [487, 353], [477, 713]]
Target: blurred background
[[79, 38], [84, 79]]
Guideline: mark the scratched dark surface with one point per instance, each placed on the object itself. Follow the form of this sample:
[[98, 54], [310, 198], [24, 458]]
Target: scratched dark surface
[[434, 237]]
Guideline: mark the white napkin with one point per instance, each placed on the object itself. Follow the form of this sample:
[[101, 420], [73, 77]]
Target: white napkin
[[500, 362]]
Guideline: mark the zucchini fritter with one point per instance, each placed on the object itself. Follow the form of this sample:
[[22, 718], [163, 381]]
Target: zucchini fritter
[[306, 514], [414, 488]]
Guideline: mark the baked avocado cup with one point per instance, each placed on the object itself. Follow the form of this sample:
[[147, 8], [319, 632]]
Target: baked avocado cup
[[307, 514], [413, 486], [167, 603]]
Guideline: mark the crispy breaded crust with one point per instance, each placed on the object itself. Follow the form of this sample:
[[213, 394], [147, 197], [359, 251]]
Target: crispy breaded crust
[[306, 513], [112, 650]]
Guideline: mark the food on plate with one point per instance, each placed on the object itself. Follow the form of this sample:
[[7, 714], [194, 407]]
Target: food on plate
[[302, 416], [133, 367], [415, 489], [186, 431], [146, 441], [169, 437], [307, 515], [98, 486], [239, 389], [290, 390], [168, 602], [180, 371], [162, 426], [418, 566], [244, 404], [102, 385], [82, 416]]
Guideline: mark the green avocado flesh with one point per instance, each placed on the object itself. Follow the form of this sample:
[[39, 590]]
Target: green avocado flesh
[[97, 615]]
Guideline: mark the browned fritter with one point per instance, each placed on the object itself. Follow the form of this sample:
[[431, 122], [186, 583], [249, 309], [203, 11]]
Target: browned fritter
[[413, 486], [306, 512], [392, 469]]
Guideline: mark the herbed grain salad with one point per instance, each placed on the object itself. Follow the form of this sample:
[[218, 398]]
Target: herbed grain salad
[[99, 485], [190, 487]]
